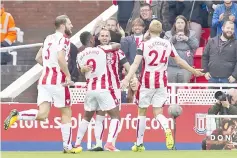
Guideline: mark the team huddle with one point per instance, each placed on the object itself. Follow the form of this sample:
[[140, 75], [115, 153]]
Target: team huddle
[[100, 65]]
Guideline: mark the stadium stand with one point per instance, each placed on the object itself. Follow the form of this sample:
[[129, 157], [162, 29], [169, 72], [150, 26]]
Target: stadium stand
[[30, 26]]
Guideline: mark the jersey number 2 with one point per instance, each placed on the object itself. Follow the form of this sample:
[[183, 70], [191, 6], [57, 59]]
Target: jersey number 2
[[154, 62], [48, 55], [92, 63]]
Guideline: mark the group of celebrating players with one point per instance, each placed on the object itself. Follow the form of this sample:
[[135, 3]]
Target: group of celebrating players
[[101, 65]]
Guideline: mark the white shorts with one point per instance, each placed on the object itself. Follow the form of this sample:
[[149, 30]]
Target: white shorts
[[154, 97], [56, 94], [104, 100]]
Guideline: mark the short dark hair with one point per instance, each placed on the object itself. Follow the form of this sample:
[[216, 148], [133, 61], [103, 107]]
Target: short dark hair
[[104, 29], [228, 21], [61, 19], [85, 38], [112, 18], [146, 5]]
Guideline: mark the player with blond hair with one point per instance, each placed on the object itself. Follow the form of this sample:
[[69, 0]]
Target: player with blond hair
[[153, 82]]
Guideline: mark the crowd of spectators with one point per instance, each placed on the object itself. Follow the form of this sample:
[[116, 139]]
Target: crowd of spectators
[[182, 23]]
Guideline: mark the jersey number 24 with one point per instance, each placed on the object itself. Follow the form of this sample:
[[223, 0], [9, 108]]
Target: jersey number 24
[[154, 61]]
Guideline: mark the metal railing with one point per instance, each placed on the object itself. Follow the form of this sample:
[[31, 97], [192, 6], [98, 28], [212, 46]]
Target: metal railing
[[7, 49], [11, 50]]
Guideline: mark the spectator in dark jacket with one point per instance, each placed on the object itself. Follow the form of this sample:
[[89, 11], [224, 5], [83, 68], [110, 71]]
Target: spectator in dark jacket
[[160, 9], [186, 43], [113, 25], [225, 107], [72, 63], [174, 11], [124, 13], [219, 59], [146, 15], [129, 44]]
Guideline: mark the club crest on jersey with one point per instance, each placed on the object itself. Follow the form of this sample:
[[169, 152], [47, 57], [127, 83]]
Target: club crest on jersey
[[66, 44], [110, 57], [68, 101], [200, 124], [66, 47]]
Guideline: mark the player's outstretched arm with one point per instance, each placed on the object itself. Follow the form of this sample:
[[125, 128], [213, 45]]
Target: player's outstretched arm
[[115, 46], [132, 71], [38, 57], [182, 63], [127, 67], [111, 47]]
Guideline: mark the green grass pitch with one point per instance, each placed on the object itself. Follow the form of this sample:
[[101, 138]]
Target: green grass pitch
[[124, 154]]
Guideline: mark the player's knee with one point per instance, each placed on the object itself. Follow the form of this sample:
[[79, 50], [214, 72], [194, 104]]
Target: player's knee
[[157, 111], [66, 111], [100, 112], [87, 118], [114, 113], [66, 119], [88, 115], [42, 116], [142, 111]]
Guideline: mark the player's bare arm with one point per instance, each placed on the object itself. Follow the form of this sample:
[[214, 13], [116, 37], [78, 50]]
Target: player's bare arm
[[115, 46], [127, 68], [63, 66], [110, 47], [133, 83], [132, 71], [182, 63], [38, 57]]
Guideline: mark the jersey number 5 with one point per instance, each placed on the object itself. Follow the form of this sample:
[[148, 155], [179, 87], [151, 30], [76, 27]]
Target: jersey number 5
[[92, 63], [48, 55], [154, 62]]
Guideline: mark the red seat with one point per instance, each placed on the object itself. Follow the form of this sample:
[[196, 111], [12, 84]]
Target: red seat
[[198, 65], [204, 37]]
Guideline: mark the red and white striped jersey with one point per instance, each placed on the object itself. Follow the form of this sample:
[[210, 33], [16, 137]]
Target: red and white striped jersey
[[114, 60], [52, 74], [99, 77], [155, 52]]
